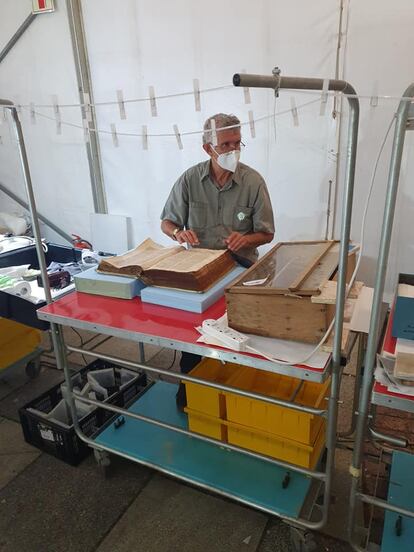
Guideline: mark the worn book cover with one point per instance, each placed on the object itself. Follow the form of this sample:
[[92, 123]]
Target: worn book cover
[[174, 267]]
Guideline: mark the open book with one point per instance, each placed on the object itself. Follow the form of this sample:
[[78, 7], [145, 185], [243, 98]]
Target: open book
[[174, 267]]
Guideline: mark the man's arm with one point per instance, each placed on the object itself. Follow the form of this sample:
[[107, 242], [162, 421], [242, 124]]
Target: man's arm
[[176, 233], [237, 241]]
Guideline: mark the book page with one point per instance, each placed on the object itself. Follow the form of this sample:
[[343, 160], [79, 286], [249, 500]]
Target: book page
[[143, 256], [188, 260]]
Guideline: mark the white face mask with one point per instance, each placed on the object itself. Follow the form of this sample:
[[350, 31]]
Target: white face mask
[[228, 161]]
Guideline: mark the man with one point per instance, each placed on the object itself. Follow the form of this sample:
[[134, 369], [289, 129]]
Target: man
[[219, 204]]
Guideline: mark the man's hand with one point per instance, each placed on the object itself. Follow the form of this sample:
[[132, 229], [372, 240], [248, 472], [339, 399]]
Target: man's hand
[[236, 241], [187, 236]]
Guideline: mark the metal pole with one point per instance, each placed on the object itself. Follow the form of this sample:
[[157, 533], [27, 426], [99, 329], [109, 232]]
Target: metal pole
[[48, 222], [32, 203], [26, 23], [277, 82], [357, 385], [387, 223], [83, 73]]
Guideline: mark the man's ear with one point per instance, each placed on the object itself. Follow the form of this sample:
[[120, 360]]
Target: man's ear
[[208, 150]]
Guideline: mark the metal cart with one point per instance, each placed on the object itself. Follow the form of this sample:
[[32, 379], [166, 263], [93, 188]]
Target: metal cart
[[399, 525], [160, 438]]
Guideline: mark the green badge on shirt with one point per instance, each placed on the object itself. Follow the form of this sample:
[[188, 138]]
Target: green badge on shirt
[[241, 216]]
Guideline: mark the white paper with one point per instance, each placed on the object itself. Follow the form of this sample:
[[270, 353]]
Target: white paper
[[288, 351]]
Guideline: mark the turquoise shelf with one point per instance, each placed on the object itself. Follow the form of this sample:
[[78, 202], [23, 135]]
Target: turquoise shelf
[[242, 477], [400, 493]]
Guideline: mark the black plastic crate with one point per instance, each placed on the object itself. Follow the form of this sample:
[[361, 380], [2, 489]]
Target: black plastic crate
[[60, 440]]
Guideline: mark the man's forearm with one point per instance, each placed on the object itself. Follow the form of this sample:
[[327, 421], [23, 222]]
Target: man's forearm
[[259, 238], [168, 227]]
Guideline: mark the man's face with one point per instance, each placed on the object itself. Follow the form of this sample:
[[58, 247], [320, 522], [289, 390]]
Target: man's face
[[227, 140]]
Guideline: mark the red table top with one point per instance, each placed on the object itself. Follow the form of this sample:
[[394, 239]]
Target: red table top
[[379, 388], [132, 315]]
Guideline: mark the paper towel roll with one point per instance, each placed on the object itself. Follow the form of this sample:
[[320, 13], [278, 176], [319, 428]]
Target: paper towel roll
[[21, 289]]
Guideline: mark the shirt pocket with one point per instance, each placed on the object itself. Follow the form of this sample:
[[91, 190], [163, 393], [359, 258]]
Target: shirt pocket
[[197, 214], [242, 219]]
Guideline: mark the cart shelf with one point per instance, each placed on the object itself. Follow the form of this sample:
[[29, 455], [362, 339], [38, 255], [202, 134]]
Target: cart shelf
[[243, 478], [400, 493]]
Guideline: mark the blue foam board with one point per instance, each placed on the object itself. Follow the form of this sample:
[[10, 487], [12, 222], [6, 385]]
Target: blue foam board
[[400, 493], [123, 287], [403, 324], [189, 300]]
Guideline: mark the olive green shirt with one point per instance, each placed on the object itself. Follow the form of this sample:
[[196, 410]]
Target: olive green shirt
[[242, 205]]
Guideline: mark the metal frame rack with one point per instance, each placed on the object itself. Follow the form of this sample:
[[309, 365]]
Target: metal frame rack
[[238, 461], [377, 395]]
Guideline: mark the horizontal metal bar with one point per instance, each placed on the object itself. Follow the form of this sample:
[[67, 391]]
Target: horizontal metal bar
[[6, 103], [384, 504], [317, 376], [153, 421], [388, 438], [218, 386], [293, 83]]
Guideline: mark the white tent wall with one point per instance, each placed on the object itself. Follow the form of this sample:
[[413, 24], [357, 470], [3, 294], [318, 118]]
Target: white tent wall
[[138, 44], [39, 66], [379, 61], [167, 45]]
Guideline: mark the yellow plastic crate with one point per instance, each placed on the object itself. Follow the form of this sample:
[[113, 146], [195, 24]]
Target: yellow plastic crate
[[248, 438], [281, 448], [16, 342], [206, 399], [273, 419], [206, 425]]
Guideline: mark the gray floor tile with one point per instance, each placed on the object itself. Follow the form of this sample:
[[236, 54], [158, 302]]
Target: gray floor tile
[[15, 453], [170, 517], [9, 406], [58, 508]]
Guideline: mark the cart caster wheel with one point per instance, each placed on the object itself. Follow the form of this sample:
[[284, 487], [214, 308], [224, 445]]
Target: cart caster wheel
[[33, 368], [302, 541]]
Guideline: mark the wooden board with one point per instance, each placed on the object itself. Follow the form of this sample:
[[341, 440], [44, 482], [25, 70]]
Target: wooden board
[[362, 313], [278, 316], [297, 284], [328, 346], [328, 292]]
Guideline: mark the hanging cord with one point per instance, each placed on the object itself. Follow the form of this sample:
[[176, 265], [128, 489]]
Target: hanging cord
[[172, 134], [353, 277]]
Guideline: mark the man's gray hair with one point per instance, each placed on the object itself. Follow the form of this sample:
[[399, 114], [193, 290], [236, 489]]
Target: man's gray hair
[[221, 120]]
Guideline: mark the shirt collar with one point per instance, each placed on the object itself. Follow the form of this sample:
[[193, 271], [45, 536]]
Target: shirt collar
[[236, 178]]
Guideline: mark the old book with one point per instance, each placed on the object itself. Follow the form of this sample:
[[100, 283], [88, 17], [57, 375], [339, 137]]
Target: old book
[[173, 267]]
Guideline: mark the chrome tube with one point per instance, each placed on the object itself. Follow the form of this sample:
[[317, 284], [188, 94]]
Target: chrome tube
[[185, 377], [276, 82], [387, 223], [384, 505], [32, 204], [403, 443]]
